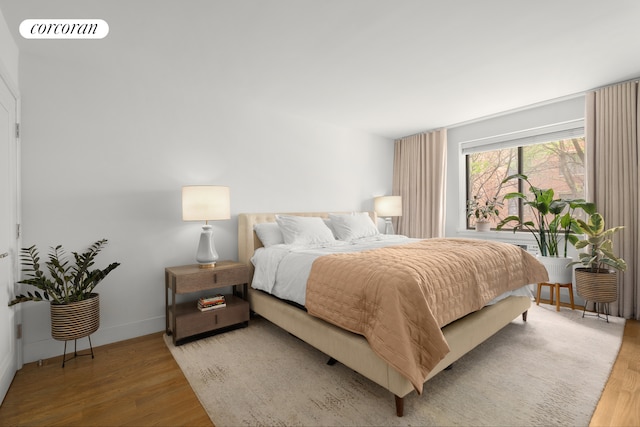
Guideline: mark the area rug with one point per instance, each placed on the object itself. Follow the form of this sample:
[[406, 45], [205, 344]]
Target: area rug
[[550, 370]]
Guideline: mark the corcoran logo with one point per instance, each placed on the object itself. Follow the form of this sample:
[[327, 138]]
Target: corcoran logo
[[64, 29]]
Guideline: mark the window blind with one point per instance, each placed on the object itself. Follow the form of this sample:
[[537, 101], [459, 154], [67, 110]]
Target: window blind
[[539, 135]]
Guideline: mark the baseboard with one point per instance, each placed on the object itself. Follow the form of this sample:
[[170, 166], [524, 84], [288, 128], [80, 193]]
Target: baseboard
[[49, 348]]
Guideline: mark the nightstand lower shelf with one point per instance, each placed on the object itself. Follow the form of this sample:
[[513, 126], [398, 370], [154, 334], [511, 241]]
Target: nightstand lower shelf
[[191, 321]]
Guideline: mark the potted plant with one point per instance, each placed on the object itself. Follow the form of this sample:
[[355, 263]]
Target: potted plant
[[597, 280], [483, 212], [554, 220], [69, 288]]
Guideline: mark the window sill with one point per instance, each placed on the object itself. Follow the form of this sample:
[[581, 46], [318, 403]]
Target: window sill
[[507, 236]]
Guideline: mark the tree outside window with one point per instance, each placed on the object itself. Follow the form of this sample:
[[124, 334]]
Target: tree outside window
[[559, 165]]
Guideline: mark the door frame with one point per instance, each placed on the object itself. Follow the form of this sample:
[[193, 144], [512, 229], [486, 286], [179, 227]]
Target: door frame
[[16, 213]]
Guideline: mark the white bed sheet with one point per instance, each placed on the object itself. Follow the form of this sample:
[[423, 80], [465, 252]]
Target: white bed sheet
[[282, 270]]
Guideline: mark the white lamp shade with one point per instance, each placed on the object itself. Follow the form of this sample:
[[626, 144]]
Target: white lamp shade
[[205, 203], [386, 206]]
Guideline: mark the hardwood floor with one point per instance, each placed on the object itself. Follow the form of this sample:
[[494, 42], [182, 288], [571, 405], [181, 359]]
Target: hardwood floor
[[130, 383], [137, 382], [620, 401]]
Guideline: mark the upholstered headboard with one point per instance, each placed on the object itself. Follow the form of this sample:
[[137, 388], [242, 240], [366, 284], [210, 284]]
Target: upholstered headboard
[[248, 241]]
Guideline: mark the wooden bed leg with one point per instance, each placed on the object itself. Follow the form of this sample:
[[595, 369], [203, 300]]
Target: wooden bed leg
[[399, 406], [524, 316], [331, 361]]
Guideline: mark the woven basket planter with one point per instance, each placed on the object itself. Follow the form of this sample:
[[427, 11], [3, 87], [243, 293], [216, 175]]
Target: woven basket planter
[[75, 320], [600, 286]]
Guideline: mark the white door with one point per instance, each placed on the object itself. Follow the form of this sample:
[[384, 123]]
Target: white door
[[8, 237]]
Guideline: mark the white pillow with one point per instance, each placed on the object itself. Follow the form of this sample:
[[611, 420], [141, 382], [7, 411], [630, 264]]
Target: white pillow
[[269, 234], [328, 223], [304, 230], [353, 226]]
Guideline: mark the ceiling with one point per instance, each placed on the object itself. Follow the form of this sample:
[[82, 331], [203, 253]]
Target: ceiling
[[391, 68]]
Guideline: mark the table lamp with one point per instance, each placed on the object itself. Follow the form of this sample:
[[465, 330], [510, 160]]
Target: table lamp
[[387, 207], [205, 203]]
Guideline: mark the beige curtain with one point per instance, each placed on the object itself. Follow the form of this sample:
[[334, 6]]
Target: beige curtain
[[612, 119], [419, 173]]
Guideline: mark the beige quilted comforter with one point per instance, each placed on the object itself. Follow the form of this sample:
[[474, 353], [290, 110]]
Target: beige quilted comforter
[[399, 297]]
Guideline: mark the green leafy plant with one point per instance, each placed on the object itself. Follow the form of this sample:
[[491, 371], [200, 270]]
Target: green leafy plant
[[483, 211], [67, 282], [600, 242], [554, 218]]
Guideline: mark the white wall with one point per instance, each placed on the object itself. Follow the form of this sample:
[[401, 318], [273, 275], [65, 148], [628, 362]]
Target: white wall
[[107, 146]]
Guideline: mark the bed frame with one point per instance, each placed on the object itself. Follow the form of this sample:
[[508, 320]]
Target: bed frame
[[351, 349]]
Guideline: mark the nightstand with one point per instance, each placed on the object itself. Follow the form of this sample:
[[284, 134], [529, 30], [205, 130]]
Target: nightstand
[[185, 319]]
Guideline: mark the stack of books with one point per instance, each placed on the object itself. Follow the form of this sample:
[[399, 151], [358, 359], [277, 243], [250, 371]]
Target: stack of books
[[211, 303]]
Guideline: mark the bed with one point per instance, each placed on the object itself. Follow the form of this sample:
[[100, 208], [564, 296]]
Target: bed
[[353, 349]]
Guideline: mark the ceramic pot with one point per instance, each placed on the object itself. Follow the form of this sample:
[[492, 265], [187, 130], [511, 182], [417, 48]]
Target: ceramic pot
[[557, 268], [483, 226]]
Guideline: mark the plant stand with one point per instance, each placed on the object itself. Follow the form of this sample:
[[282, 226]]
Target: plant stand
[[555, 288], [75, 351], [598, 306]]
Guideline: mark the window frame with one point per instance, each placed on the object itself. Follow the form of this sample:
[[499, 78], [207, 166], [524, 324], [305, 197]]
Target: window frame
[[519, 139]]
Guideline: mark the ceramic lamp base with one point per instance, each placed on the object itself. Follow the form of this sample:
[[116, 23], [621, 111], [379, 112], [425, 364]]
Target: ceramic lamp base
[[206, 255], [388, 226]]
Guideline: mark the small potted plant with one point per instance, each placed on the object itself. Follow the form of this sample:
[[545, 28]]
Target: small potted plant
[[483, 212], [69, 288], [596, 280]]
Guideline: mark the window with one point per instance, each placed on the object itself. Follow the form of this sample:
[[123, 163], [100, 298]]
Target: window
[[549, 159]]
